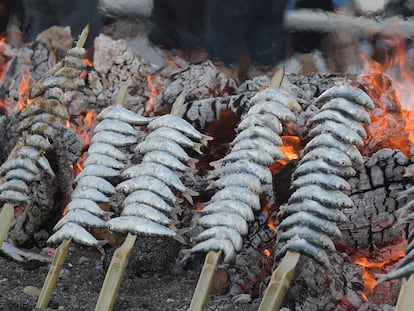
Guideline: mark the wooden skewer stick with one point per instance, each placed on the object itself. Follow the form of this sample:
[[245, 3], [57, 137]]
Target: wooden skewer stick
[[6, 220], [279, 283], [83, 36], [53, 274], [115, 274], [205, 281], [405, 298], [277, 78]]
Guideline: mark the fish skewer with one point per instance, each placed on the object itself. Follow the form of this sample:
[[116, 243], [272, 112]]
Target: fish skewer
[[314, 207], [241, 176]]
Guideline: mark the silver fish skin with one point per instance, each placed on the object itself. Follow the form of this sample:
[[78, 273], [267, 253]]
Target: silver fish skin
[[45, 130], [330, 141], [75, 232], [138, 225], [274, 94], [243, 166], [405, 271], [338, 116], [315, 237], [13, 196], [330, 155], [26, 152], [333, 198], [23, 163], [108, 150], [97, 170], [355, 111], [149, 198], [90, 194], [177, 136], [260, 144], [305, 248], [21, 174], [275, 108], [222, 232], [89, 206], [328, 181], [37, 141], [103, 160], [343, 132], [405, 193], [315, 208], [161, 172], [146, 211], [16, 185], [114, 139], [256, 132], [216, 244], [230, 206], [264, 119], [147, 183], [407, 209], [231, 220], [348, 92], [120, 113], [258, 156], [81, 217], [304, 219], [164, 145], [240, 193], [319, 165], [117, 126], [245, 180], [179, 124], [405, 260], [96, 182], [168, 160]]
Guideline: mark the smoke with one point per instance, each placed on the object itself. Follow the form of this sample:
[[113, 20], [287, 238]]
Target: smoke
[[226, 29]]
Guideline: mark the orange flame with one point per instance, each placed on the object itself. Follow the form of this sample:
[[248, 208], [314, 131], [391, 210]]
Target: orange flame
[[266, 252], [291, 148], [371, 267], [24, 90], [390, 82]]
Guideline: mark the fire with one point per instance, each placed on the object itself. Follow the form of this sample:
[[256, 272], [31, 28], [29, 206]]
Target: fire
[[390, 83], [291, 148], [371, 267], [266, 252], [24, 90], [154, 93]]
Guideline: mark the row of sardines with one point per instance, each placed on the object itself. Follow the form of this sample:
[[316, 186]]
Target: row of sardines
[[153, 190]]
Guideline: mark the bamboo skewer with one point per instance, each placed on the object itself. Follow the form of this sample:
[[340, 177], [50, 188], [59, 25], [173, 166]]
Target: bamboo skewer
[[279, 283], [53, 274], [115, 274], [6, 220], [205, 281], [405, 298]]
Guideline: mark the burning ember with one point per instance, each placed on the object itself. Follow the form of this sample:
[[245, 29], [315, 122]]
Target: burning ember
[[391, 85]]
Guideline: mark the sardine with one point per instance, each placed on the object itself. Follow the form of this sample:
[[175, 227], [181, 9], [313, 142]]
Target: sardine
[[330, 155], [222, 232], [245, 180], [230, 206], [179, 124], [240, 193], [168, 160], [215, 244], [50, 106], [77, 233], [138, 225], [305, 219], [314, 208], [315, 237], [258, 132], [328, 181], [277, 109], [231, 220], [114, 139], [13, 196], [108, 150], [81, 217], [177, 136], [332, 198], [117, 126], [120, 113], [258, 156], [149, 198], [306, 248], [89, 206], [243, 166], [320, 166], [259, 144], [348, 92], [341, 131], [274, 94], [21, 174], [16, 185], [99, 183], [97, 170], [103, 160], [23, 163], [47, 118], [146, 211], [45, 130], [264, 119], [355, 111], [90, 194], [37, 141]]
